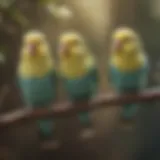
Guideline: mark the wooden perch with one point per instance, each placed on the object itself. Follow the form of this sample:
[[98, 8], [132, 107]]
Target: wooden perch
[[68, 109]]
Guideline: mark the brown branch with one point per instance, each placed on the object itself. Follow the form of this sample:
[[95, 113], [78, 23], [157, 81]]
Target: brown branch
[[68, 109]]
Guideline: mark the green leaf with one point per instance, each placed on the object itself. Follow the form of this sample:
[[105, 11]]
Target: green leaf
[[19, 17], [45, 1], [53, 9], [6, 3]]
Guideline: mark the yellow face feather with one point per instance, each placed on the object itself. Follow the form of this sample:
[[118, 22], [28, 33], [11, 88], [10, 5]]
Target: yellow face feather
[[36, 62], [75, 60], [127, 54]]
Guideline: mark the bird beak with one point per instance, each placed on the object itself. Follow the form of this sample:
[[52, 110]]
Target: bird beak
[[64, 50], [117, 45], [33, 49]]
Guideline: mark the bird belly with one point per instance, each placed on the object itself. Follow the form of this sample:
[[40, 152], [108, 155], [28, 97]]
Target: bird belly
[[38, 91], [134, 79], [80, 88]]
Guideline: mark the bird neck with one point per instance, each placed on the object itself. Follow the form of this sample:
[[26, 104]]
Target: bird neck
[[35, 68], [73, 67], [128, 63]]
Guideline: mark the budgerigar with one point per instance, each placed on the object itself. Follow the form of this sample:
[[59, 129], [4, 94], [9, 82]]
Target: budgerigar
[[128, 66], [78, 69], [37, 77]]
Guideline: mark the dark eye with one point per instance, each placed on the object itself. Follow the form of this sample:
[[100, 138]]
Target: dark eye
[[38, 43], [128, 39], [74, 42]]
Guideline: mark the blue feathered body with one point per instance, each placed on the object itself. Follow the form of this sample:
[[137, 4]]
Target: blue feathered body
[[38, 92], [82, 88], [128, 83], [126, 80]]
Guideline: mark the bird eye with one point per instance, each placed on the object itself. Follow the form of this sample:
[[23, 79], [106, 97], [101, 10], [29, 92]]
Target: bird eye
[[128, 39], [74, 42], [38, 43]]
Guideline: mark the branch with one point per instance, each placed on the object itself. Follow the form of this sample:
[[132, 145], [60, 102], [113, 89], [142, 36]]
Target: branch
[[68, 109]]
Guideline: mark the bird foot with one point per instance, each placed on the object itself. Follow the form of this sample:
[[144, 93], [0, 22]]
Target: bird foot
[[126, 124], [50, 145], [87, 133]]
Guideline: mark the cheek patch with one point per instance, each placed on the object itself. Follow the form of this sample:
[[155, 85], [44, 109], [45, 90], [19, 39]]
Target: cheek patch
[[117, 45]]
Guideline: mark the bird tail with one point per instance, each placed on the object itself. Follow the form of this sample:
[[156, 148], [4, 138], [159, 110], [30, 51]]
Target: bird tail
[[129, 110], [46, 127], [84, 118]]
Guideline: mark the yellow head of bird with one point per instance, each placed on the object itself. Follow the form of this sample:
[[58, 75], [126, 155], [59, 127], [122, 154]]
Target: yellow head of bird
[[125, 41], [33, 43], [70, 43]]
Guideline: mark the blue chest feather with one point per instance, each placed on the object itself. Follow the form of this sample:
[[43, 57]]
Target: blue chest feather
[[134, 79], [38, 91], [82, 88]]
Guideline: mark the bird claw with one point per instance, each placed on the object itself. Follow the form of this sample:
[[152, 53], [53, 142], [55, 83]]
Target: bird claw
[[50, 145], [87, 133]]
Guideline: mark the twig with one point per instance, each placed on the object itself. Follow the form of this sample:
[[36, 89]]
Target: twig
[[68, 109]]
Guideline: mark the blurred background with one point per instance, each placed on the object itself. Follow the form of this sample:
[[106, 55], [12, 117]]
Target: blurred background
[[94, 19]]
